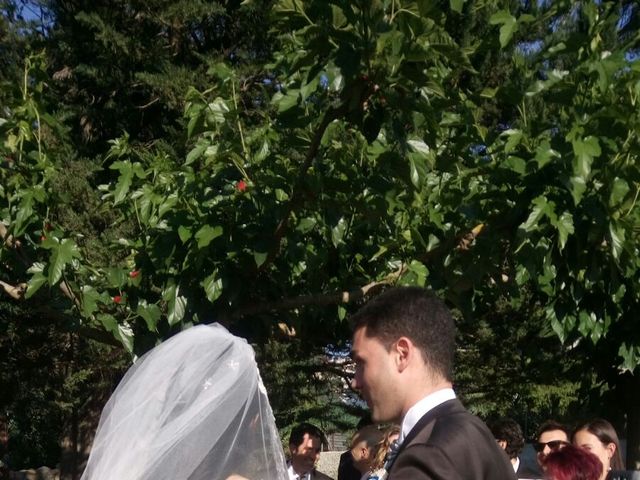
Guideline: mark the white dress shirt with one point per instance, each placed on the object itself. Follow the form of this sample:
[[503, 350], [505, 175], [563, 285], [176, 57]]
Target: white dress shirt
[[416, 412], [294, 476]]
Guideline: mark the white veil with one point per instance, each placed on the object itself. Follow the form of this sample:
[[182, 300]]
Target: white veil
[[193, 408]]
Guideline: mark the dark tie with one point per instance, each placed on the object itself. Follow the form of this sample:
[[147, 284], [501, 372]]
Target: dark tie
[[391, 456]]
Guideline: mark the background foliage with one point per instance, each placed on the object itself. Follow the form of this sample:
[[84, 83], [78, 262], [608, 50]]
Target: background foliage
[[270, 164]]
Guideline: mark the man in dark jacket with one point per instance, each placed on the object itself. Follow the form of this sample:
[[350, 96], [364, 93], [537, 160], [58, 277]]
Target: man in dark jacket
[[403, 346]]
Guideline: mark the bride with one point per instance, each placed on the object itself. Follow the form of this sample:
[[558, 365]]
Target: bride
[[193, 408]]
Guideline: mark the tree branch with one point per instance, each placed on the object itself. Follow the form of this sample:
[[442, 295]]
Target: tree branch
[[8, 239], [462, 243], [16, 292], [329, 117], [321, 299], [147, 105]]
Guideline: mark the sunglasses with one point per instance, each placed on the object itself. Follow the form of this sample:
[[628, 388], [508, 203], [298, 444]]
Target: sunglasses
[[553, 445]]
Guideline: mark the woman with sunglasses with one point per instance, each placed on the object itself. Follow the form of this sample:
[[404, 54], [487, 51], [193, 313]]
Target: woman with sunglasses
[[599, 437]]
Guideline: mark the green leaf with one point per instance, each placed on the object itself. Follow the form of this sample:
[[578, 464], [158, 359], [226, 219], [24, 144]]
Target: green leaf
[[195, 125], [221, 71], [306, 224], [416, 274], [338, 231], [167, 204], [489, 92], [544, 154], [61, 254], [109, 323], [194, 154], [116, 277], [619, 190], [584, 152], [219, 109], [124, 180], [517, 164], [286, 102], [125, 335], [342, 312], [540, 207], [281, 195], [577, 186], [564, 225], [433, 242], [90, 299], [25, 212], [456, 5], [630, 357], [553, 77], [556, 324], [617, 236], [263, 152], [259, 258], [381, 251], [515, 137], [207, 234], [35, 282], [212, 286], [508, 28], [176, 304], [419, 146], [417, 169], [184, 233], [150, 313]]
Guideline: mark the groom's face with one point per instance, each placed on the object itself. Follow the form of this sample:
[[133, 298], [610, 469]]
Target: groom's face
[[305, 455], [375, 377]]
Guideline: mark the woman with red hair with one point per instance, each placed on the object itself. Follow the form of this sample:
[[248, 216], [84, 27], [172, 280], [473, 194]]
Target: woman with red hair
[[571, 463]]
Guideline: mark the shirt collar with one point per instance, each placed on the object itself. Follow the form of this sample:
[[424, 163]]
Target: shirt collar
[[516, 465], [295, 476], [416, 412]]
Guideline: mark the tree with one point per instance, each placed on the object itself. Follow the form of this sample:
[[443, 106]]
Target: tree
[[370, 151]]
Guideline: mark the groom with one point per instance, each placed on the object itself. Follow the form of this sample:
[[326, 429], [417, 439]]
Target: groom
[[403, 347]]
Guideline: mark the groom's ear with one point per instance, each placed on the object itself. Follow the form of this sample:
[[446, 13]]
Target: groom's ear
[[403, 350]]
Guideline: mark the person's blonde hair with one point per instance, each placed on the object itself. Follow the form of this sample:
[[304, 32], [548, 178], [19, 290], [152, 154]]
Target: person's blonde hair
[[383, 447]]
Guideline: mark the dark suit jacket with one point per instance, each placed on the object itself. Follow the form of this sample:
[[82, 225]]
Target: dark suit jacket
[[623, 475], [346, 470], [526, 471], [316, 475], [448, 443]]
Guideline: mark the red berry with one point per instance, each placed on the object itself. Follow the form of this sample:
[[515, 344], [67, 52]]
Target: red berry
[[241, 186], [42, 238], [117, 299], [134, 273]]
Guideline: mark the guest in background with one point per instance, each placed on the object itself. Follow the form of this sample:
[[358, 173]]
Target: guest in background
[[551, 436], [377, 471], [571, 463], [346, 469], [363, 448], [600, 438], [509, 436], [305, 444]]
